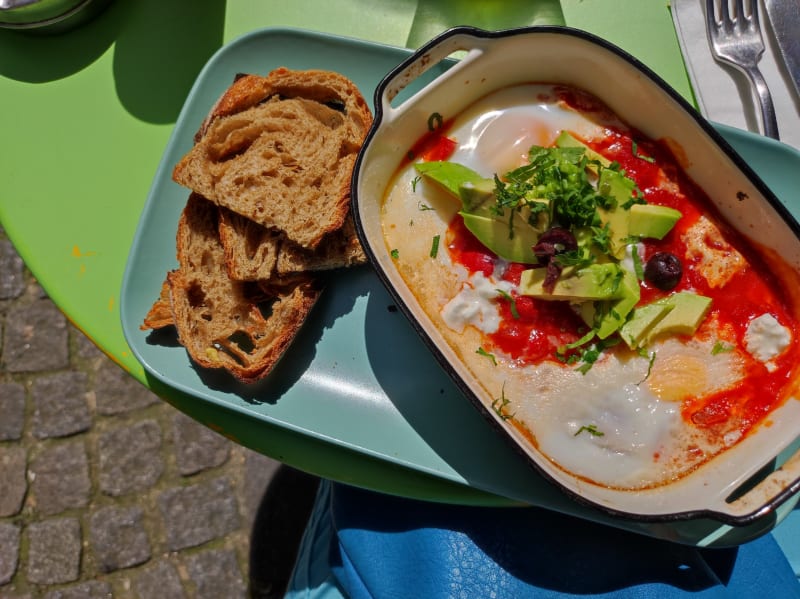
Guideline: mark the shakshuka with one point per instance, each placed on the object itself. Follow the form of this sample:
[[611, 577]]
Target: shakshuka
[[593, 290]]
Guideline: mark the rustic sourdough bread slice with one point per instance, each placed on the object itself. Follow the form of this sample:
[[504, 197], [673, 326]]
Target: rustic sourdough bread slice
[[279, 150], [254, 252], [224, 323]]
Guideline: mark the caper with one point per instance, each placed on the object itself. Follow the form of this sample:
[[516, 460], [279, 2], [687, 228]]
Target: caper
[[663, 270]]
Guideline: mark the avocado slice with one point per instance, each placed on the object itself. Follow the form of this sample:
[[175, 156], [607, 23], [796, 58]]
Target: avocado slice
[[476, 196], [593, 282], [651, 220], [512, 242], [678, 314], [635, 331], [688, 311], [449, 175], [565, 139], [606, 317], [616, 185]]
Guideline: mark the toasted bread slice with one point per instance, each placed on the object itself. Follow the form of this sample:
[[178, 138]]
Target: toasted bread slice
[[256, 253], [279, 150], [224, 323]]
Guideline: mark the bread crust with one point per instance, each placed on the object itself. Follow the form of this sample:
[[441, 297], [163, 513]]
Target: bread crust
[[160, 314]]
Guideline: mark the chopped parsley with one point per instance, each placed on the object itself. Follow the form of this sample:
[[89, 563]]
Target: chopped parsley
[[482, 352], [721, 347], [512, 302], [395, 253], [414, 182], [637, 264], [586, 355], [651, 361], [591, 429], [635, 152], [435, 246]]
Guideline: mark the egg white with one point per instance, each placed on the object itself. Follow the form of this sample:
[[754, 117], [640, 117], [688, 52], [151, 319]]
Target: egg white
[[495, 134]]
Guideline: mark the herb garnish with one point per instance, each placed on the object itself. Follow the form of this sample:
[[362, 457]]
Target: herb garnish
[[652, 359], [434, 246], [586, 354], [414, 182], [395, 253], [591, 429], [638, 269], [483, 352], [512, 302], [721, 347], [499, 404], [635, 152]]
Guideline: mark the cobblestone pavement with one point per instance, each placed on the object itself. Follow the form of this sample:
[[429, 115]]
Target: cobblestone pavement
[[107, 491]]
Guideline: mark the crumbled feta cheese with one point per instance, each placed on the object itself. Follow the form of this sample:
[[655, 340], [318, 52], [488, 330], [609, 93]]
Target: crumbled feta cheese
[[766, 338], [473, 305]]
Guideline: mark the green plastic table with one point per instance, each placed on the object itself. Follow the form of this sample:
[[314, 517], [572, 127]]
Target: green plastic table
[[86, 116]]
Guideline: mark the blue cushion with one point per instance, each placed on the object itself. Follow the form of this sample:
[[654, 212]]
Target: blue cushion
[[361, 544]]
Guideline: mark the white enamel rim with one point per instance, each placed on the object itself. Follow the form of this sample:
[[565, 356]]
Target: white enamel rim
[[493, 60]]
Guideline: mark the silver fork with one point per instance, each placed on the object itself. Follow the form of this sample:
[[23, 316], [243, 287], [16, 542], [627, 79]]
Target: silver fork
[[736, 40]]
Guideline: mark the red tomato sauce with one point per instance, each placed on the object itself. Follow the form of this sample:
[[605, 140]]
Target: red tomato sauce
[[539, 327], [435, 144]]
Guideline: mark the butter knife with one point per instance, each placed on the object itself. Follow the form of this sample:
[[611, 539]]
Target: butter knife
[[784, 16]]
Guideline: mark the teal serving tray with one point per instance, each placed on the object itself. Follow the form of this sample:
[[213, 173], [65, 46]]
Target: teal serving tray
[[358, 397]]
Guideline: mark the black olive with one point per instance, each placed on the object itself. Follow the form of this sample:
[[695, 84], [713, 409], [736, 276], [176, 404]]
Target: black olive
[[554, 241], [663, 270]]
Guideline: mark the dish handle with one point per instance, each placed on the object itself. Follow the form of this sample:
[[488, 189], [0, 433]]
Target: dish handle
[[458, 39], [745, 504]]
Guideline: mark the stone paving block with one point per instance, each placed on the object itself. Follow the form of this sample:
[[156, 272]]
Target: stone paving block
[[13, 480], [35, 338], [60, 407], [86, 348], [118, 538], [12, 271], [159, 580], [9, 551], [60, 477], [54, 551], [258, 472], [130, 458], [12, 408], [93, 589], [199, 513], [117, 392], [197, 447], [216, 573]]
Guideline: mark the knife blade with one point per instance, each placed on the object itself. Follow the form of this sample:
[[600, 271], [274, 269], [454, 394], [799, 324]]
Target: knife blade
[[784, 17]]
